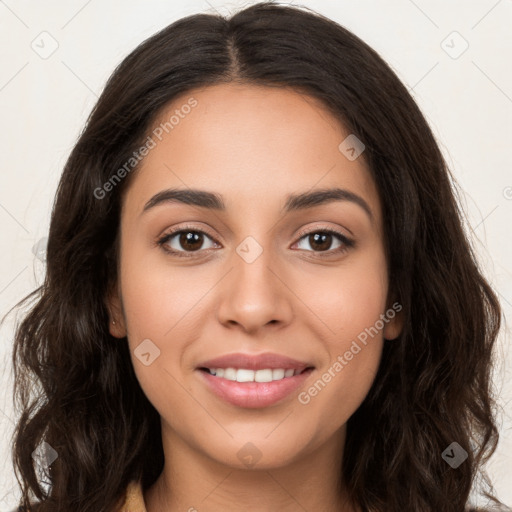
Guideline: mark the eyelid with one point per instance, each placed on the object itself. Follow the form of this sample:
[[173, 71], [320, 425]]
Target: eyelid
[[347, 243], [167, 235], [323, 229], [163, 239]]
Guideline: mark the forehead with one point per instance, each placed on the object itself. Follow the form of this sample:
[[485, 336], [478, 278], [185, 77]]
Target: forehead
[[250, 144]]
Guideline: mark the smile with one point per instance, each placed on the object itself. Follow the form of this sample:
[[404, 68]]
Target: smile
[[253, 389], [246, 375]]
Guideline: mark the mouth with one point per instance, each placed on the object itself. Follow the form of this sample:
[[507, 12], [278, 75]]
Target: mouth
[[248, 375], [254, 389], [253, 380]]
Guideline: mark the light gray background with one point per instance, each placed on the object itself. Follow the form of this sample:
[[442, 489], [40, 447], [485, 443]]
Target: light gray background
[[44, 102]]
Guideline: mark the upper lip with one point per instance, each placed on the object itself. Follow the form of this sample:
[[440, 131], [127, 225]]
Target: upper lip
[[254, 362]]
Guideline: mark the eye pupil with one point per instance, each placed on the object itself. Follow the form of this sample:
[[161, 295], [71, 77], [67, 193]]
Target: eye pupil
[[320, 239], [188, 238], [191, 240]]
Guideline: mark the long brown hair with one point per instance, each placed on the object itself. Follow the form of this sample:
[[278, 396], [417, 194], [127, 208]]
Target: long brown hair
[[74, 383]]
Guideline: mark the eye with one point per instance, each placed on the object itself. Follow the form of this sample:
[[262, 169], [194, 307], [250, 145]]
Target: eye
[[184, 240], [321, 241]]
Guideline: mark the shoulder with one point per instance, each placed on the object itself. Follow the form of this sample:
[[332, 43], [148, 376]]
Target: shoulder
[[34, 508], [503, 508], [134, 500]]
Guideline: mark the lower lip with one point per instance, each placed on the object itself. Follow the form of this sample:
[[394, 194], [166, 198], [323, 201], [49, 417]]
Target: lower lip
[[254, 395]]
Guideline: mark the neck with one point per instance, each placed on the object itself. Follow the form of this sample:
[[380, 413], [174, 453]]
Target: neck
[[192, 481]]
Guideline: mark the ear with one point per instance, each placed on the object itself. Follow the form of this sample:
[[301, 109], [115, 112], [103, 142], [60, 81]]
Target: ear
[[116, 324], [393, 328]]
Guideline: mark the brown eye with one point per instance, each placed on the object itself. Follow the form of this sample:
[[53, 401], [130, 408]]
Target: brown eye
[[322, 240], [184, 241], [190, 240]]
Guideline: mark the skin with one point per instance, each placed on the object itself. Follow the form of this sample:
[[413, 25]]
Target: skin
[[254, 146]]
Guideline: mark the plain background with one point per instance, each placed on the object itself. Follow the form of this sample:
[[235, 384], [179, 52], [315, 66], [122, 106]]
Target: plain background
[[465, 93]]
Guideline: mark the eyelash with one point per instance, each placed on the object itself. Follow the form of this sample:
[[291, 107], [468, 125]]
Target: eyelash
[[161, 242]]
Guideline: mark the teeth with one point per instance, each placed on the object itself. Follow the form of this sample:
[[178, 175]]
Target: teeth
[[278, 374], [230, 374], [245, 375], [264, 376]]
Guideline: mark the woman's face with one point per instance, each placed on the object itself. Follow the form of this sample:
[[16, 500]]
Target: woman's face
[[253, 273]]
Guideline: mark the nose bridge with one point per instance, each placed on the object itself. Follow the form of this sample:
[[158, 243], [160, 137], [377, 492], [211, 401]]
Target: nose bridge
[[252, 273], [254, 295]]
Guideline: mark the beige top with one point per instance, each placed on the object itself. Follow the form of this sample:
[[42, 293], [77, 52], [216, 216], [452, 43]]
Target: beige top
[[134, 501]]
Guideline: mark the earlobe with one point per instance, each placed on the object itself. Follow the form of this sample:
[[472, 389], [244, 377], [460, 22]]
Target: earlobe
[[116, 325], [116, 329], [394, 326]]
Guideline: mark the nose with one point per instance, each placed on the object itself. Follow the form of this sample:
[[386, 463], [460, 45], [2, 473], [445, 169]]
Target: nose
[[255, 293]]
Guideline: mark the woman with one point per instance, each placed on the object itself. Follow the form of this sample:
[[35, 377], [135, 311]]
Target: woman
[[259, 294]]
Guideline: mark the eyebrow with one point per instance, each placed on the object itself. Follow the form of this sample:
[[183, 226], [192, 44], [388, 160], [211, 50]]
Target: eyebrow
[[294, 202]]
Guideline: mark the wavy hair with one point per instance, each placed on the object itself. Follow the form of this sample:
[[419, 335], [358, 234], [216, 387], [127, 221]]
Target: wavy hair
[[75, 386]]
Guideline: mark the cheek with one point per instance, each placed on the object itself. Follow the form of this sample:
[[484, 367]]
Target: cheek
[[348, 299], [159, 305], [161, 311], [350, 305], [338, 391], [160, 299], [354, 354]]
